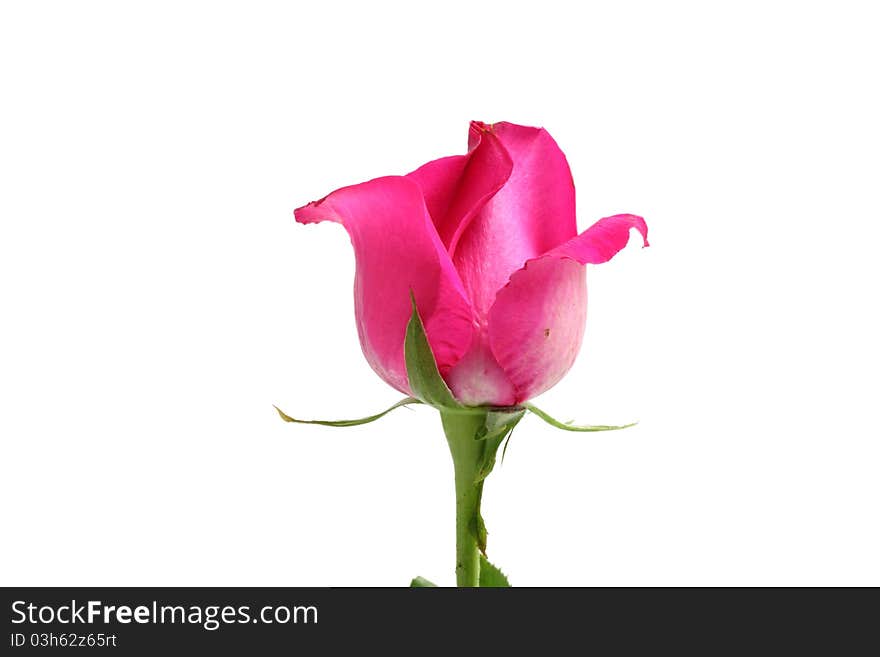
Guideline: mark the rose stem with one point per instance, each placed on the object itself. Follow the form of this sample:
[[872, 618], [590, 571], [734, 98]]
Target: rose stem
[[467, 452]]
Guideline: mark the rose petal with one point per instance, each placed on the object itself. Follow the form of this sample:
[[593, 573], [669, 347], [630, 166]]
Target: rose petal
[[456, 188], [601, 241], [477, 379], [397, 249], [532, 213], [537, 321]]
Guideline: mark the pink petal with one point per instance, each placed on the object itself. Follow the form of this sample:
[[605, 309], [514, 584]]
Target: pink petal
[[601, 241], [537, 321], [531, 214], [397, 249], [456, 188], [477, 379]]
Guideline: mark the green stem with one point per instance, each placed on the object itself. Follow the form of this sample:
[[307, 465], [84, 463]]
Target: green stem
[[467, 454]]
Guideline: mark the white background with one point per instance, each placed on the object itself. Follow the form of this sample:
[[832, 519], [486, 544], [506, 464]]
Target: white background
[[158, 298]]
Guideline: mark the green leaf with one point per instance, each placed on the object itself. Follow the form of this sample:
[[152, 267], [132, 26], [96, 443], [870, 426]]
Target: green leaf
[[349, 423], [421, 583], [575, 427], [498, 426], [490, 576], [421, 367]]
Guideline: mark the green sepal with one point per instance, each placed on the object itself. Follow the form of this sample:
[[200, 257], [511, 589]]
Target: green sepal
[[575, 427], [478, 528], [421, 367], [500, 421], [407, 401], [421, 583], [491, 576], [498, 426]]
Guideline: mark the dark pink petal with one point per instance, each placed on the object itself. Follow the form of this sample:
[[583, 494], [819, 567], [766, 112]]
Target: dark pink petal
[[601, 241], [456, 188], [532, 213], [397, 249], [537, 321]]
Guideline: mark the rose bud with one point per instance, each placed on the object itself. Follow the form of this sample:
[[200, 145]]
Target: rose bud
[[487, 245]]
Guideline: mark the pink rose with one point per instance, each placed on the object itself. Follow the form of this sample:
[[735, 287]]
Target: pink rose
[[487, 242]]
